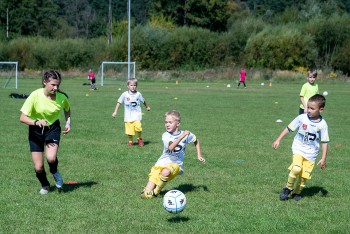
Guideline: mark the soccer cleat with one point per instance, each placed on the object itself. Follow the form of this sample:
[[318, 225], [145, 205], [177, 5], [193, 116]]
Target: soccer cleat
[[130, 143], [44, 190], [140, 142], [284, 194], [58, 179], [296, 197], [147, 195]]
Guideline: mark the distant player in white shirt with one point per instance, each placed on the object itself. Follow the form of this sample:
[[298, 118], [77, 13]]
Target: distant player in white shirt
[[132, 100], [170, 163], [312, 131]]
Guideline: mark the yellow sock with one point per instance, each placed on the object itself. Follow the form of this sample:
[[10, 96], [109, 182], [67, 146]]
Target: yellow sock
[[130, 138], [139, 135], [300, 186], [162, 182], [291, 181]]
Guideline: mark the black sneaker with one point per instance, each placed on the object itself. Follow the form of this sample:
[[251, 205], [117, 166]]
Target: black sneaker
[[296, 197], [284, 194]]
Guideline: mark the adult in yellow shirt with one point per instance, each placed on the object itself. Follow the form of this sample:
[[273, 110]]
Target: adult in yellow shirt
[[41, 112]]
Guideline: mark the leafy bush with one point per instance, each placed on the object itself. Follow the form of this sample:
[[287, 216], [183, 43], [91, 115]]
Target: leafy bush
[[280, 48]]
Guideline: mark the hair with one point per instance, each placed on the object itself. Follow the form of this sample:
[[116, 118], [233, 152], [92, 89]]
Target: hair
[[312, 72], [319, 99], [55, 75], [132, 80], [175, 114]]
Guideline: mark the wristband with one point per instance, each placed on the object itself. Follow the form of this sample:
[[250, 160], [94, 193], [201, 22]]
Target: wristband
[[35, 122]]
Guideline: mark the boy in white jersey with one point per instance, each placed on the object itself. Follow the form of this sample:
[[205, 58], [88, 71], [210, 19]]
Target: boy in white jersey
[[132, 111], [170, 163], [312, 130]]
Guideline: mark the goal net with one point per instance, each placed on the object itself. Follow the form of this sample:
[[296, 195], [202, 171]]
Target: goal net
[[115, 72], [9, 75]]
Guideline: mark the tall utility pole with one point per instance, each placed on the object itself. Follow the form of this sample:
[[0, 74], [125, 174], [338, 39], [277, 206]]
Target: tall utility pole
[[129, 7], [7, 23], [110, 22]]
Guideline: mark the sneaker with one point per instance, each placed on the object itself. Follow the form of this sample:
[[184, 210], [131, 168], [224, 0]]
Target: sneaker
[[58, 179], [140, 142], [130, 143], [44, 190], [284, 194], [147, 195], [296, 197]]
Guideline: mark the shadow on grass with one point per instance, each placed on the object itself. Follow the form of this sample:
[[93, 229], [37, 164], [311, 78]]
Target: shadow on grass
[[178, 219], [71, 187], [314, 190], [188, 188]]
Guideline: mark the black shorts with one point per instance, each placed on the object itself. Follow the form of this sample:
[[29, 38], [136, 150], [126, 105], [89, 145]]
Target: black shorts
[[39, 137], [93, 81]]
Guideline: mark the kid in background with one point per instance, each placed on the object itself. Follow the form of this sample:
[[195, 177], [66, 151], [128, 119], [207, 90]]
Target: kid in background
[[91, 77], [41, 112], [312, 131], [132, 111], [170, 163], [242, 77], [309, 89]]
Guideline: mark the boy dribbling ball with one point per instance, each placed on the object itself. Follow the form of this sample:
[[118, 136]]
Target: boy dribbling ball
[[312, 131], [170, 163]]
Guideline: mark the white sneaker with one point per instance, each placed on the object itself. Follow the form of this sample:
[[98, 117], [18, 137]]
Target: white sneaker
[[44, 190], [58, 179]]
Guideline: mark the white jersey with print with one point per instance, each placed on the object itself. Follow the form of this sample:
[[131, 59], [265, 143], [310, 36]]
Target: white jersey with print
[[178, 154], [309, 136], [132, 107]]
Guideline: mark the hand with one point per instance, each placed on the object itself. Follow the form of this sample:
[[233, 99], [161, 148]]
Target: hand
[[41, 123], [114, 114], [148, 108], [201, 159], [66, 130], [275, 144], [322, 164]]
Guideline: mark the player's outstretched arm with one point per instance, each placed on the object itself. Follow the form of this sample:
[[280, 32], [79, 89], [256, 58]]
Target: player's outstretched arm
[[114, 114], [199, 154], [147, 106], [276, 143]]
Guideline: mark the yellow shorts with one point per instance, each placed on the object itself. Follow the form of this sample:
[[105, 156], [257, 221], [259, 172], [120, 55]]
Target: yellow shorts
[[306, 165], [154, 175], [132, 127]]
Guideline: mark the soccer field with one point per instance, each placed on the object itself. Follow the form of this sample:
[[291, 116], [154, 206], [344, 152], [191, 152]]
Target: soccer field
[[236, 191]]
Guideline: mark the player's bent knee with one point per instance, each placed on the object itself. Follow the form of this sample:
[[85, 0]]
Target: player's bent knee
[[295, 170], [166, 172]]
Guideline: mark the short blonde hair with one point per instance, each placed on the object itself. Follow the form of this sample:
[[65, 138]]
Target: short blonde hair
[[132, 81], [175, 114], [312, 73]]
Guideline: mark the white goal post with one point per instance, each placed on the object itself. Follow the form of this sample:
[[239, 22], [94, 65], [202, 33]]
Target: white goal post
[[106, 63], [9, 74]]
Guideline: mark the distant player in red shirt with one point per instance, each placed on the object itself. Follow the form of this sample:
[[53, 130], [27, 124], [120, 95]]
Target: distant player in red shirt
[[91, 77], [243, 75]]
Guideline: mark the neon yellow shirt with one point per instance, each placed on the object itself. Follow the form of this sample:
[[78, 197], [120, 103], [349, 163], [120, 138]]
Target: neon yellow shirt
[[38, 106], [308, 91]]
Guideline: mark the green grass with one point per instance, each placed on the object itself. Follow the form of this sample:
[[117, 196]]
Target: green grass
[[236, 191]]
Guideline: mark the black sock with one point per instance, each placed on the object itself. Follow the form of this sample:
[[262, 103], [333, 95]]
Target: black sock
[[53, 166], [42, 178]]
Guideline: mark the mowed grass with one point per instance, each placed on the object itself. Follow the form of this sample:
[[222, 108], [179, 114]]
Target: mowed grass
[[236, 191]]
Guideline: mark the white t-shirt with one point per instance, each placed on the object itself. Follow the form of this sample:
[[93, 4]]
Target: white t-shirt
[[132, 107], [309, 136], [178, 154]]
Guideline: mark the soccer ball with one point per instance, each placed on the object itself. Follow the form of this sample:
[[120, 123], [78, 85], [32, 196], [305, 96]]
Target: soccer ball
[[325, 93], [174, 201]]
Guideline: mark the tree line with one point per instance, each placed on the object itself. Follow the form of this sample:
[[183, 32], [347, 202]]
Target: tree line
[[186, 34]]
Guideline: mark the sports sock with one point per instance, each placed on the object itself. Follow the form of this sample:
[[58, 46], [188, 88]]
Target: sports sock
[[130, 138], [53, 166], [139, 135], [300, 186], [162, 182], [41, 175]]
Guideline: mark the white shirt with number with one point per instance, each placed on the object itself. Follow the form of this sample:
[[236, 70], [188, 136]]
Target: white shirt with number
[[309, 136], [132, 107], [178, 154]]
